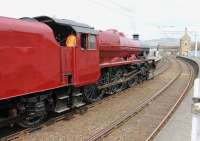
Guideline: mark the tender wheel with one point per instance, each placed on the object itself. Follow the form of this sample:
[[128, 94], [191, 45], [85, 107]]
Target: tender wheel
[[91, 94], [132, 82], [32, 119], [32, 113]]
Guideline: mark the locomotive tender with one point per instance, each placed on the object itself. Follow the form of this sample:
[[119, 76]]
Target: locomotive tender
[[42, 73]]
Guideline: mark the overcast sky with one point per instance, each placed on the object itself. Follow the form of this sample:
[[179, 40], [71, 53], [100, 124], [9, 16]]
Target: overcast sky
[[146, 17]]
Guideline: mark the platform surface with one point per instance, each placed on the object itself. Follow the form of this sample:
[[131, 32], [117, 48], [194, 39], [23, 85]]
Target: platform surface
[[179, 127]]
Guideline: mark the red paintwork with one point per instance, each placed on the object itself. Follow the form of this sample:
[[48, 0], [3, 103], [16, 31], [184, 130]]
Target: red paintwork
[[114, 44], [32, 61], [29, 58], [83, 64], [111, 64], [86, 65]]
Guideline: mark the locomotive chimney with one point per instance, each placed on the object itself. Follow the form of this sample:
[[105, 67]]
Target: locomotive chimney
[[136, 36]]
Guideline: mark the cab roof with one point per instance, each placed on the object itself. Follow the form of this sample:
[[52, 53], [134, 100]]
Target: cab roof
[[78, 27]]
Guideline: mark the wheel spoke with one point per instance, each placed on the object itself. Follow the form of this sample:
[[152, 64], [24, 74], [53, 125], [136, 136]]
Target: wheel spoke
[[91, 94]]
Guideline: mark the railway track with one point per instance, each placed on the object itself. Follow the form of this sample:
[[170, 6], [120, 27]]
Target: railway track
[[174, 107], [16, 133], [162, 66], [132, 113]]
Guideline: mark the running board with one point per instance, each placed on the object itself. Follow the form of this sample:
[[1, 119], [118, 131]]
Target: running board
[[61, 109]]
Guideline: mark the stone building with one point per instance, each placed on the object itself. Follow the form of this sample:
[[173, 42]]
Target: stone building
[[185, 44]]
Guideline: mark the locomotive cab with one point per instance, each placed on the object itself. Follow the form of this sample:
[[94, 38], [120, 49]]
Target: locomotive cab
[[61, 32], [77, 41]]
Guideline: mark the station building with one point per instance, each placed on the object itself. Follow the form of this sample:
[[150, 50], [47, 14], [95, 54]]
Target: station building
[[185, 44]]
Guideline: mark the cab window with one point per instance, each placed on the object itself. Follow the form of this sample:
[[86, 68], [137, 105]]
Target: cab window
[[83, 41], [92, 42], [88, 41]]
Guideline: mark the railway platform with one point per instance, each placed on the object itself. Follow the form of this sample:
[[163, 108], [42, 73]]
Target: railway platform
[[181, 126]]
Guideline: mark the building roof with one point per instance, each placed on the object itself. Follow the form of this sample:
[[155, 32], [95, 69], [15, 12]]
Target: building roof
[[186, 35]]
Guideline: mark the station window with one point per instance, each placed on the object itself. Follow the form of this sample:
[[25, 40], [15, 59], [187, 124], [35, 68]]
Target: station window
[[83, 41], [92, 41]]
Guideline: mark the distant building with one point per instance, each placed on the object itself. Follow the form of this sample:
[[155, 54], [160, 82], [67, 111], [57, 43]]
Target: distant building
[[185, 44]]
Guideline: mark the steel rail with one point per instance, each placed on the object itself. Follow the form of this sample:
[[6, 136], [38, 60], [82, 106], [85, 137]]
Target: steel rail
[[162, 62], [168, 62], [118, 122], [172, 110]]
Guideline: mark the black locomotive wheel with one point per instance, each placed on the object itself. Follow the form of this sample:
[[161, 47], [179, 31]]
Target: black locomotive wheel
[[132, 82], [147, 76], [116, 88], [104, 79], [116, 76], [32, 119], [91, 94]]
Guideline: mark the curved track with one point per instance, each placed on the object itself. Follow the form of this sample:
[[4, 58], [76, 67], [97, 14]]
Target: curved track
[[174, 107], [162, 66], [160, 95]]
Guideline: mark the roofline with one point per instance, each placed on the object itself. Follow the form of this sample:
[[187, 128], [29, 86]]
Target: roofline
[[78, 27]]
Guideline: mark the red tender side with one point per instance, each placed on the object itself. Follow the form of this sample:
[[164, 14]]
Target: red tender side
[[29, 58]]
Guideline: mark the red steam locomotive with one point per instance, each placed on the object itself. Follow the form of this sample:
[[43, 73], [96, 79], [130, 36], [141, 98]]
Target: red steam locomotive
[[53, 65]]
